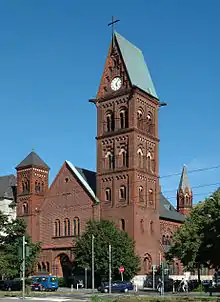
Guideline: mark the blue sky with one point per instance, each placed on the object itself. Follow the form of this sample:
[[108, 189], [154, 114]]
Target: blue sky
[[52, 55]]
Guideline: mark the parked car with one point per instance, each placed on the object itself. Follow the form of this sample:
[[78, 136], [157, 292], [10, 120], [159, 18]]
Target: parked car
[[35, 286], [46, 283], [116, 286], [11, 285]]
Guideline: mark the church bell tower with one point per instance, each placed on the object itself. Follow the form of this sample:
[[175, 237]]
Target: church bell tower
[[32, 184], [127, 148]]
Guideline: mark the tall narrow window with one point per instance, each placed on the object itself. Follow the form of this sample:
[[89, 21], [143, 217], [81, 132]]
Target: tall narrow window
[[76, 226], [108, 196], [149, 157], [140, 192], [25, 208], [110, 125], [122, 193], [57, 228], [150, 126], [140, 158], [140, 119], [123, 115], [66, 227], [122, 224], [123, 158], [151, 197], [110, 160], [48, 266]]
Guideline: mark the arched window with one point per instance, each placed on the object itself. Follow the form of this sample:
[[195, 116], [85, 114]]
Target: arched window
[[48, 266], [25, 186], [151, 196], [140, 192], [25, 208], [123, 158], [122, 193], [42, 187], [140, 158], [150, 122], [44, 267], [140, 119], [57, 228], [163, 240], [76, 226], [123, 118], [108, 195], [66, 227], [110, 160], [110, 125], [122, 224], [149, 162], [38, 267]]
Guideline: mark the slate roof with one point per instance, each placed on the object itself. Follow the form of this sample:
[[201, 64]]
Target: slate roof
[[87, 178], [32, 160], [167, 210], [6, 183], [184, 180], [136, 66]]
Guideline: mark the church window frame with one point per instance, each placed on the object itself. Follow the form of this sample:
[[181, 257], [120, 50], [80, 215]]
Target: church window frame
[[151, 196], [110, 124], [122, 193], [110, 160], [76, 226], [123, 157], [25, 208], [140, 114], [123, 118], [140, 158], [66, 227], [150, 122], [108, 194], [149, 162], [122, 224], [57, 228], [140, 193]]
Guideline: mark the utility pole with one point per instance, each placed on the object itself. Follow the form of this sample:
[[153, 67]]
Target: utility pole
[[86, 278], [110, 268], [162, 278], [93, 265], [23, 266]]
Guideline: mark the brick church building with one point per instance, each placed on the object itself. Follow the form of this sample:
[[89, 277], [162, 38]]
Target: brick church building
[[125, 188]]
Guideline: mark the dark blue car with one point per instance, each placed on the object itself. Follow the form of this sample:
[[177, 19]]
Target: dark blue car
[[116, 287]]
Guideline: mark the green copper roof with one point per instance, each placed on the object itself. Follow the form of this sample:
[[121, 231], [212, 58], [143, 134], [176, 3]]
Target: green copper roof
[[136, 67]]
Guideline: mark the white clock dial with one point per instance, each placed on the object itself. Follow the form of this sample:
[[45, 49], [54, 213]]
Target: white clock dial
[[116, 83]]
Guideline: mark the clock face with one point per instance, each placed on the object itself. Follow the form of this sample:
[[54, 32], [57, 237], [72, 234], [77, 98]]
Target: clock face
[[116, 83]]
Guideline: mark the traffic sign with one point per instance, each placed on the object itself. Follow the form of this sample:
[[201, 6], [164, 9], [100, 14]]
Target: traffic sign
[[121, 269]]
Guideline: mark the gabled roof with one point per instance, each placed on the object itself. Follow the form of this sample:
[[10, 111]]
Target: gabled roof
[[135, 64], [33, 160], [88, 180], [6, 183], [83, 176], [184, 180], [168, 212]]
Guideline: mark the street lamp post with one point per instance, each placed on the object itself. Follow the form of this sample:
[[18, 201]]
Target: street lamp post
[[93, 265]]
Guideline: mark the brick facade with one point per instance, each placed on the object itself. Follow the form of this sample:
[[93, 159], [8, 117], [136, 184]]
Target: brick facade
[[127, 179]]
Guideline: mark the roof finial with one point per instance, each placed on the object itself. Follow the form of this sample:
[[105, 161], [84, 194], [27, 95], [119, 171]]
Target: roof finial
[[32, 149], [112, 25]]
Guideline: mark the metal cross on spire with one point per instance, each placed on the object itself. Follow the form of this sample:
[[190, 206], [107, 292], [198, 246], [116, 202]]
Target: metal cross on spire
[[112, 24]]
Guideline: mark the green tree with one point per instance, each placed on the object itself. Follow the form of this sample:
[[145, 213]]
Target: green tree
[[11, 247], [197, 242], [105, 233]]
